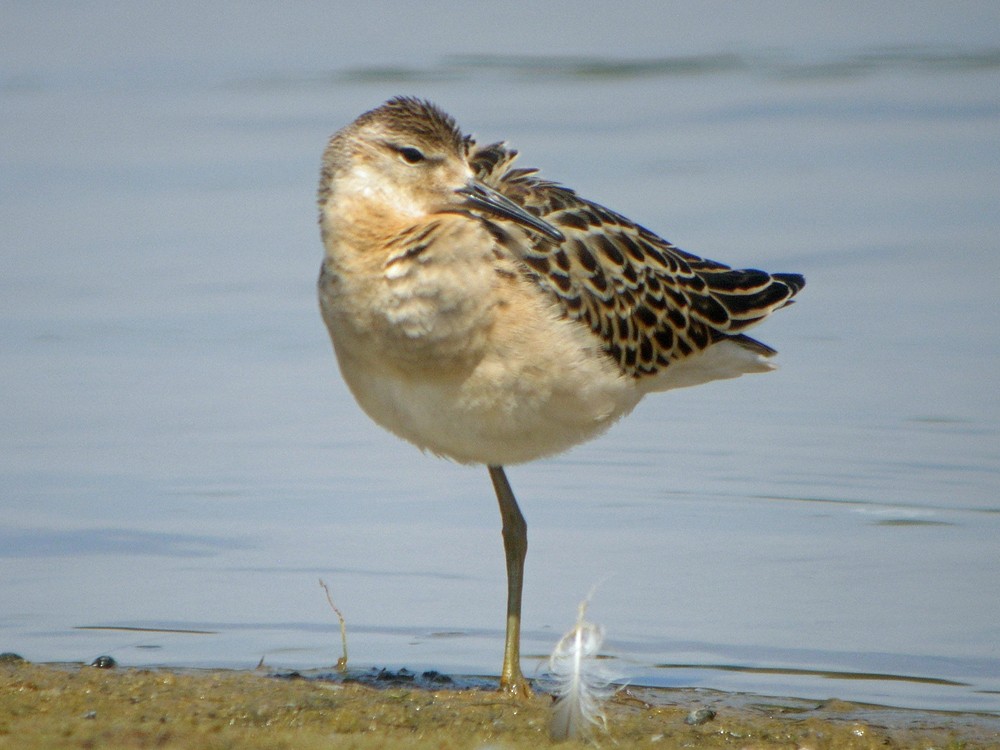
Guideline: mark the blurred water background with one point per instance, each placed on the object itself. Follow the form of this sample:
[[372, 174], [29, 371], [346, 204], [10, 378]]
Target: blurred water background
[[180, 461]]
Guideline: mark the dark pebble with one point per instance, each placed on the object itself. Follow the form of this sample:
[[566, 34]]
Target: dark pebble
[[436, 678], [699, 716], [403, 675]]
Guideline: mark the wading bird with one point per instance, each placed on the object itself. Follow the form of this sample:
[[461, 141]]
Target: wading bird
[[493, 317]]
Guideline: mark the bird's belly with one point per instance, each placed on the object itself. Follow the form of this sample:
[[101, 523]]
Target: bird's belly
[[503, 411], [472, 364]]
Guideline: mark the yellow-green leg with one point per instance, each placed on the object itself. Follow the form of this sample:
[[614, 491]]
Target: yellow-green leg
[[515, 545]]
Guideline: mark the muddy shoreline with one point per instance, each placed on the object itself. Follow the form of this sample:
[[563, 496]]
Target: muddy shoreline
[[81, 706]]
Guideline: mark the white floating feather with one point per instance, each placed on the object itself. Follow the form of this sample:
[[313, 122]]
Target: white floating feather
[[582, 684]]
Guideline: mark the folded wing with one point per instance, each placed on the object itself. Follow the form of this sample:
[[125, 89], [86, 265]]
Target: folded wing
[[652, 305]]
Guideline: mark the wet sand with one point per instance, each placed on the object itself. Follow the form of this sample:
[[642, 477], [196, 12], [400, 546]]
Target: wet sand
[[76, 706]]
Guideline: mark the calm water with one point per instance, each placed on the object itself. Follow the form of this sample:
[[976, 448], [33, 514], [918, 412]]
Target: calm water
[[178, 453]]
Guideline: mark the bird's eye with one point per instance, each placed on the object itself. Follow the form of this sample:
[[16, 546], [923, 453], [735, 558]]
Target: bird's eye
[[411, 155]]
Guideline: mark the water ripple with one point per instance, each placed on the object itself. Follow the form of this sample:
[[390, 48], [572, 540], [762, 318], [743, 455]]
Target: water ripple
[[772, 64]]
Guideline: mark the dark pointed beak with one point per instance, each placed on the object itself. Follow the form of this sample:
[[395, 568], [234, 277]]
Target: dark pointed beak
[[477, 195]]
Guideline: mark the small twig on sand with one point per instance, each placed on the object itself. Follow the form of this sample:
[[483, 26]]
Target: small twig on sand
[[342, 661]]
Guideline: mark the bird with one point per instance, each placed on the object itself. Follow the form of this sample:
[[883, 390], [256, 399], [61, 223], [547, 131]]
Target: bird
[[490, 316]]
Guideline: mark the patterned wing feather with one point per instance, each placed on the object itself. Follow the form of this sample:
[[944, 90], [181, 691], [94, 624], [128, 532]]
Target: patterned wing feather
[[648, 301]]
